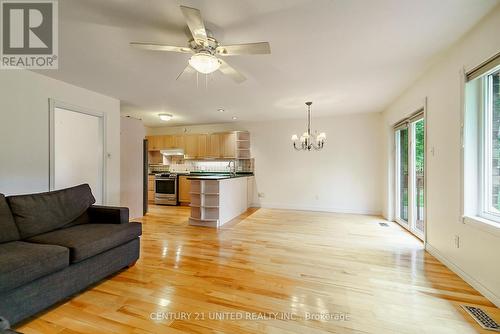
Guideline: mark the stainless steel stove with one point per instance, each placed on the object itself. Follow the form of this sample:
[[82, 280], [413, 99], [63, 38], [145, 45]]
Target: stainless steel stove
[[166, 189]]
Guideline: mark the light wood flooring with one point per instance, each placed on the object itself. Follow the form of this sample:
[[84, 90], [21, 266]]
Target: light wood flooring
[[270, 265]]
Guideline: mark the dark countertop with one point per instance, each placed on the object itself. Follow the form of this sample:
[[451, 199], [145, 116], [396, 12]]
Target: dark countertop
[[214, 176]]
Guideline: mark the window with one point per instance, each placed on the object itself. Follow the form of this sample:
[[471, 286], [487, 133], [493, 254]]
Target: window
[[481, 146], [490, 184]]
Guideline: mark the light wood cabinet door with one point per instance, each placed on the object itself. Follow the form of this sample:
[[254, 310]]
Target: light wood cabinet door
[[179, 141], [202, 146], [154, 143], [168, 142], [229, 145], [191, 146], [151, 188], [184, 189], [214, 146]]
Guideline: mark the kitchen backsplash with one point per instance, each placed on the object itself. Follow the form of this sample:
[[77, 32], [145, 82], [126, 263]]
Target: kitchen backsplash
[[246, 166]]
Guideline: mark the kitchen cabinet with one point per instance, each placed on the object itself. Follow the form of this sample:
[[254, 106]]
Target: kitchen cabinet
[[214, 146], [216, 202], [202, 146], [228, 145], [250, 187], [191, 146], [151, 189], [184, 189], [157, 143], [168, 142], [154, 143], [178, 141]]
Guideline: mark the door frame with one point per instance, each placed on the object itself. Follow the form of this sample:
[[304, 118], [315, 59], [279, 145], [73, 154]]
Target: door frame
[[53, 104], [397, 201], [423, 111]]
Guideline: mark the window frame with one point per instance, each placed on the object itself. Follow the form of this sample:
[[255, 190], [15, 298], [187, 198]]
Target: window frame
[[485, 149], [475, 129]]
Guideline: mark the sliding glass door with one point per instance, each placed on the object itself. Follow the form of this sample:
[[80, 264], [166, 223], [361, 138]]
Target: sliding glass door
[[402, 176], [418, 177], [410, 174]]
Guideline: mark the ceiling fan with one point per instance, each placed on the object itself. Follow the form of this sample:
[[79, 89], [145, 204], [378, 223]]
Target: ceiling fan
[[205, 49]]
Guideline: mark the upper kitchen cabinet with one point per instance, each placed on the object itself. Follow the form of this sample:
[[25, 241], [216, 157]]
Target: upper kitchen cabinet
[[236, 145], [243, 145], [157, 143], [154, 143], [202, 146], [214, 146], [168, 142], [178, 141], [229, 145], [223, 145], [191, 146]]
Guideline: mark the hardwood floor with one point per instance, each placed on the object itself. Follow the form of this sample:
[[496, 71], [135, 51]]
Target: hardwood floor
[[270, 265]]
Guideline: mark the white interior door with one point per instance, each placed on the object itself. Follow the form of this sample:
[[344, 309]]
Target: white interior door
[[77, 150]]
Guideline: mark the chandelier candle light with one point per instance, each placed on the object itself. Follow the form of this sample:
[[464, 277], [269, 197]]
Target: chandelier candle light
[[307, 140]]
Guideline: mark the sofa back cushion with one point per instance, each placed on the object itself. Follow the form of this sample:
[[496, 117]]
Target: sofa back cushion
[[40, 213], [8, 228]]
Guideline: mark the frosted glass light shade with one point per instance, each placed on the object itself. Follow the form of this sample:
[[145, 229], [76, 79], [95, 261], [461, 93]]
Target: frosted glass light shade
[[204, 63]]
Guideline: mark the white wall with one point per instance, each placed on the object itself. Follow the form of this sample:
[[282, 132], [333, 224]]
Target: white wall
[[343, 177], [442, 86], [24, 130], [132, 134]]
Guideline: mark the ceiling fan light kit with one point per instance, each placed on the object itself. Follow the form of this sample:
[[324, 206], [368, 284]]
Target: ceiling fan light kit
[[204, 62], [205, 49], [309, 141]]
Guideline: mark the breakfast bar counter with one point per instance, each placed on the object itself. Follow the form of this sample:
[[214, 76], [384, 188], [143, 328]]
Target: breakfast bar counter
[[217, 199]]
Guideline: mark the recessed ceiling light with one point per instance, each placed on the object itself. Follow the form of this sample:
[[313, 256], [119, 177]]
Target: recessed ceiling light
[[165, 117], [220, 110], [235, 118]]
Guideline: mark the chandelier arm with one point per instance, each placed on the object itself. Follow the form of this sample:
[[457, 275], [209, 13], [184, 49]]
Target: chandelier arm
[[295, 147]]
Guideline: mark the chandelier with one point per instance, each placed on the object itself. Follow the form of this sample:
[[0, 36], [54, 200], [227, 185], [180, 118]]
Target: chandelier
[[309, 141]]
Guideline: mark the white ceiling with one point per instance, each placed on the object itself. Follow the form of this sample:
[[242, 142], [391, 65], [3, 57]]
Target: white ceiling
[[348, 56]]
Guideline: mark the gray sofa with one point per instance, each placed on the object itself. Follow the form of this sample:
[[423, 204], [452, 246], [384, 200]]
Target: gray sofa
[[55, 244]]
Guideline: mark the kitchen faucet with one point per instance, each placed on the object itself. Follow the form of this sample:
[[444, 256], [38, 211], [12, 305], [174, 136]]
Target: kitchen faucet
[[232, 171]]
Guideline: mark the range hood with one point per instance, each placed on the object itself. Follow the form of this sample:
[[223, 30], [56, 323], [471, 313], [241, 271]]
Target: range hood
[[172, 151]]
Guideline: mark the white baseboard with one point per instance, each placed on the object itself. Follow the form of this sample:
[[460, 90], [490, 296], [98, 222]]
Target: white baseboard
[[315, 208], [466, 277]]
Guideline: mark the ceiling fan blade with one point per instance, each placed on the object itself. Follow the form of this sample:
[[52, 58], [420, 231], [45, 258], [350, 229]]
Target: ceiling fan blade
[[160, 47], [187, 70], [244, 49], [226, 69], [195, 24]]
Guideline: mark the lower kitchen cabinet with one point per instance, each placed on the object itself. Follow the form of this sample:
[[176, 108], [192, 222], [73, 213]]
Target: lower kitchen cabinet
[[184, 189], [151, 189]]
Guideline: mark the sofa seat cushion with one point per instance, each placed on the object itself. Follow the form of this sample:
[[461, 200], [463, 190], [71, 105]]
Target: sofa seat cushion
[[85, 241], [22, 262]]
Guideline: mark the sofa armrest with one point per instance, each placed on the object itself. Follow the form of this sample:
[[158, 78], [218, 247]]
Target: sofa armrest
[[108, 214]]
